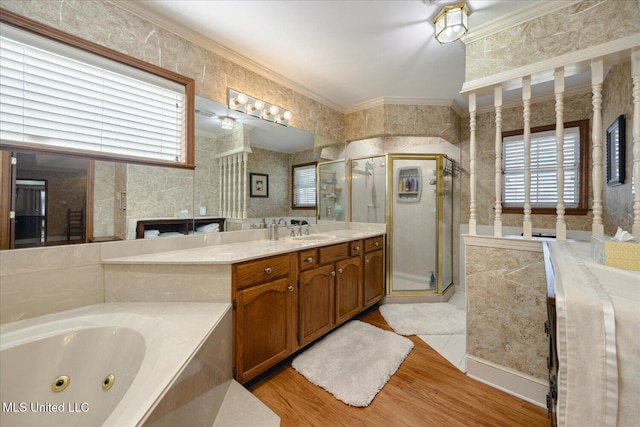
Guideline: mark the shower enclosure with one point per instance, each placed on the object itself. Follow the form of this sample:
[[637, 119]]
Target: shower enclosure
[[412, 193], [330, 192]]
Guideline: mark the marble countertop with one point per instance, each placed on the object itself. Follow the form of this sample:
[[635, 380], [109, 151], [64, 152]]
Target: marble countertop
[[232, 253]]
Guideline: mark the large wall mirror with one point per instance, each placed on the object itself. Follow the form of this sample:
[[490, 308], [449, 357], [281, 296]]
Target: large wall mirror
[[62, 199]]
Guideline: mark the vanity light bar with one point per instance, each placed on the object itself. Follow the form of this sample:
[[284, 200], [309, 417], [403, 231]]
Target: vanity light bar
[[244, 103]]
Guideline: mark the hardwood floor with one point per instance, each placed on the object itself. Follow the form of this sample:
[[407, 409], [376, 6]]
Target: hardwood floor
[[425, 391]]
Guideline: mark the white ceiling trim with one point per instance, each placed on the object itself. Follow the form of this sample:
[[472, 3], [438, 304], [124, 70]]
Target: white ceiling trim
[[513, 19], [223, 51], [390, 100]]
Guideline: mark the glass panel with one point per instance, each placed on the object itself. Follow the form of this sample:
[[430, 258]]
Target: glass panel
[[331, 198], [368, 189], [414, 214]]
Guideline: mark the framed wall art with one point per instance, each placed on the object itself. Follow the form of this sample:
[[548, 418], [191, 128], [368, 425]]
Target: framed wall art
[[258, 185]]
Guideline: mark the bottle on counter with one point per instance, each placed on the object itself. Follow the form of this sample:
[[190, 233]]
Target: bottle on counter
[[273, 230]]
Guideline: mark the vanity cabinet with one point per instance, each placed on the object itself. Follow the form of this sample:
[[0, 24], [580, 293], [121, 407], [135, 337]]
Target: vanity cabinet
[[285, 302], [373, 270], [264, 303]]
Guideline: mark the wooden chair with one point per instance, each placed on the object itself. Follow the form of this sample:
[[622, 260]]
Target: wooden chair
[[75, 223]]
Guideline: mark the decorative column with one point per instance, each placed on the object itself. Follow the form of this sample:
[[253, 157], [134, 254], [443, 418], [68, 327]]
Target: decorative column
[[561, 226], [228, 189], [635, 75], [220, 186], [234, 210], [472, 164], [497, 223], [597, 175], [526, 115], [245, 158]]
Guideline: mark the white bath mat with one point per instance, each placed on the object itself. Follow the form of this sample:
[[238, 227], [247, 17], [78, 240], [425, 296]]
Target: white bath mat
[[438, 318], [354, 362]]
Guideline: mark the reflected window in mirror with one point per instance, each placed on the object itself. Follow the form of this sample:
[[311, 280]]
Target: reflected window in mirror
[[303, 186]]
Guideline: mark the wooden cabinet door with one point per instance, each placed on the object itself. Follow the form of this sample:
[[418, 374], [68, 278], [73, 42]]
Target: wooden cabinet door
[[348, 288], [265, 327], [373, 277], [315, 303]]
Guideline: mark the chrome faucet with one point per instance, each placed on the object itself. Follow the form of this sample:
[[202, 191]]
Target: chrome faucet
[[284, 221], [299, 229]]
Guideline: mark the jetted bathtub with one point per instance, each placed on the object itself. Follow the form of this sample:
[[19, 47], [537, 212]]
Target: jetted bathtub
[[107, 364]]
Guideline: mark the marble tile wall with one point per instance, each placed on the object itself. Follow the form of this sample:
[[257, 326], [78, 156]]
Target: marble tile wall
[[577, 107], [39, 281], [578, 26], [167, 283], [506, 308], [616, 100], [406, 120]]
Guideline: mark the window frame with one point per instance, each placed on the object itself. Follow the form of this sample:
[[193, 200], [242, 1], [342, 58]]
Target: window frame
[[26, 24], [293, 186], [583, 170]]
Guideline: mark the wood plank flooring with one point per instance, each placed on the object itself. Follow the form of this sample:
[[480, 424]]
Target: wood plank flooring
[[425, 391]]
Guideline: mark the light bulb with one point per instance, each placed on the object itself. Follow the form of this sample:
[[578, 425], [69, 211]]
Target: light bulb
[[274, 109]]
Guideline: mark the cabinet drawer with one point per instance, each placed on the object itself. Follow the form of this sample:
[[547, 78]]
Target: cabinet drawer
[[308, 259], [373, 243], [355, 248], [261, 270], [333, 253]]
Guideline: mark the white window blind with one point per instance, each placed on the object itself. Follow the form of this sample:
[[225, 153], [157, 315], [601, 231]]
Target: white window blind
[[544, 188], [304, 186], [61, 97]]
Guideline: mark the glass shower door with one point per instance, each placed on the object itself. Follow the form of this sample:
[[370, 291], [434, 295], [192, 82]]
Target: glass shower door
[[414, 223], [368, 189]]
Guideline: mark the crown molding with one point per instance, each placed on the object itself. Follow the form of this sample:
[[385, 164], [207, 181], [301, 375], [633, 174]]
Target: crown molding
[[391, 100], [513, 19], [180, 30]]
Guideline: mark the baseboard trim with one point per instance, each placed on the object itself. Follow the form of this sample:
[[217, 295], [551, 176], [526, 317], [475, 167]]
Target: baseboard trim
[[526, 387]]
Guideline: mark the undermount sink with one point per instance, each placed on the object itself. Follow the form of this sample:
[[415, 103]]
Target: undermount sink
[[314, 238]]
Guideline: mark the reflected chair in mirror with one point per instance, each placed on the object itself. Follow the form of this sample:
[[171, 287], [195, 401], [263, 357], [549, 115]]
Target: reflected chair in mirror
[[75, 224]]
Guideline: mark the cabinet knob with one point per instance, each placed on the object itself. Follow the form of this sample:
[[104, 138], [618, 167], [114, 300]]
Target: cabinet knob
[[366, 261], [376, 243], [340, 270], [309, 260], [290, 288], [267, 270], [333, 273], [356, 248]]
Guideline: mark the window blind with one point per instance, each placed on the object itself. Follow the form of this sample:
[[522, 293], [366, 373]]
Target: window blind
[[53, 95], [304, 186], [544, 188]]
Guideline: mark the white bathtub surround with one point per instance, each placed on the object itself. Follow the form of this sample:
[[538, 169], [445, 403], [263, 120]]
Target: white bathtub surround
[[38, 281], [170, 354]]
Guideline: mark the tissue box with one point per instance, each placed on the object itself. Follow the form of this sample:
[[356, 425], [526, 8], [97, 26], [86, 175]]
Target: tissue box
[[623, 255]]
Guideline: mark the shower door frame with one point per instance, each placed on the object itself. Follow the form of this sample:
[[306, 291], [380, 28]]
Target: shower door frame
[[440, 259]]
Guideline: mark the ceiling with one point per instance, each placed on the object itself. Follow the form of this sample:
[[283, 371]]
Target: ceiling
[[343, 53]]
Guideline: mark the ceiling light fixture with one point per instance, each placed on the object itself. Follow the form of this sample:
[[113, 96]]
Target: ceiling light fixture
[[227, 123], [452, 22], [239, 101]]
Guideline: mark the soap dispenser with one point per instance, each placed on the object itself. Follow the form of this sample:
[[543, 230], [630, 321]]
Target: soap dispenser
[[273, 230]]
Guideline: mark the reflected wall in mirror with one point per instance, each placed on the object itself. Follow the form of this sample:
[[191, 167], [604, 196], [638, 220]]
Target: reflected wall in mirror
[[114, 196]]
